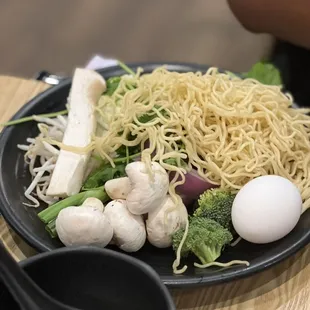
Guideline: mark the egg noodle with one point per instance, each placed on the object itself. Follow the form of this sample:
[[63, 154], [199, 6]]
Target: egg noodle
[[229, 129]]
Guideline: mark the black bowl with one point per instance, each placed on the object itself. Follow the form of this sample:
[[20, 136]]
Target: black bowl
[[89, 278], [14, 178]]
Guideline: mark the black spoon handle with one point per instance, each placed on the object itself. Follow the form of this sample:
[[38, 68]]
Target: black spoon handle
[[26, 293]]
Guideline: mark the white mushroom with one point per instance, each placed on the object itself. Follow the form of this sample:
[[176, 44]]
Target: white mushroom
[[164, 221], [83, 225], [94, 202], [129, 229], [147, 192], [118, 188]]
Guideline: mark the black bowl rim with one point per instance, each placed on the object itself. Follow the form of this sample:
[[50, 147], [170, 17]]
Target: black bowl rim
[[171, 281], [147, 269]]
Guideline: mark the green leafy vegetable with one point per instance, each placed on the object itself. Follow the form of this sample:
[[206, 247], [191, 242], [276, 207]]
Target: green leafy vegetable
[[106, 172], [124, 150], [103, 174], [112, 84], [206, 239], [216, 205], [146, 118], [174, 162], [129, 151], [149, 116], [265, 73]]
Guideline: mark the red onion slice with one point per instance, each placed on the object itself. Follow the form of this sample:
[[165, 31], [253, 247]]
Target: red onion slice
[[193, 187]]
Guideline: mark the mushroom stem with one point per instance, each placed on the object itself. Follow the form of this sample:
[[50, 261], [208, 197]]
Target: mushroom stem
[[163, 222], [129, 229]]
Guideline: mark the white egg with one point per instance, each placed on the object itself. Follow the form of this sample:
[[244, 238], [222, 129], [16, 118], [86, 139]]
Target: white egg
[[266, 209]]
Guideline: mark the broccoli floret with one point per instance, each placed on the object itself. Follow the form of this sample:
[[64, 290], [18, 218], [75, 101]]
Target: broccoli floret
[[216, 204], [206, 239]]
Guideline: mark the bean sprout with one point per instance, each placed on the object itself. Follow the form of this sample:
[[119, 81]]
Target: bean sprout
[[41, 158]]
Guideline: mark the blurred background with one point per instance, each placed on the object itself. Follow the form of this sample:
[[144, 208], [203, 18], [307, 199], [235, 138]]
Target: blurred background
[[59, 35]]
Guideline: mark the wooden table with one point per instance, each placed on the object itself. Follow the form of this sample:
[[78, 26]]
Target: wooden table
[[285, 286]]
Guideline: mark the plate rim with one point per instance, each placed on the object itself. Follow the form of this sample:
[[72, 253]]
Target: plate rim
[[171, 281]]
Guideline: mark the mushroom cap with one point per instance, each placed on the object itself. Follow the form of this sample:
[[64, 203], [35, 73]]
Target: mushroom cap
[[83, 225], [118, 188], [163, 222], [94, 202], [129, 229], [146, 193]]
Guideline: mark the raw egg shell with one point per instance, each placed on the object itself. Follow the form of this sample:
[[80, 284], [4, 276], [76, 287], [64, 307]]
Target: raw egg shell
[[266, 209]]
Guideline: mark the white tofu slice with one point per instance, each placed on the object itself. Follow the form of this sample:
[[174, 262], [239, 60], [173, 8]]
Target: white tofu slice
[[87, 87]]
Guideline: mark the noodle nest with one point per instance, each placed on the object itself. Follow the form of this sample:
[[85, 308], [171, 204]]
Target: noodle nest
[[229, 129]]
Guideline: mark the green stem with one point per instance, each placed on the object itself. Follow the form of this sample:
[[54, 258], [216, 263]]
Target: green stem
[[51, 228], [126, 68], [125, 159], [118, 160], [96, 157], [30, 118], [50, 213], [127, 155]]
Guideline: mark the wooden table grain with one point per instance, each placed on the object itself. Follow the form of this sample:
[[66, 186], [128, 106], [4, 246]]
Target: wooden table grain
[[285, 286]]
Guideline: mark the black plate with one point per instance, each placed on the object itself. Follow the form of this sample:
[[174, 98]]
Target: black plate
[[14, 178]]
